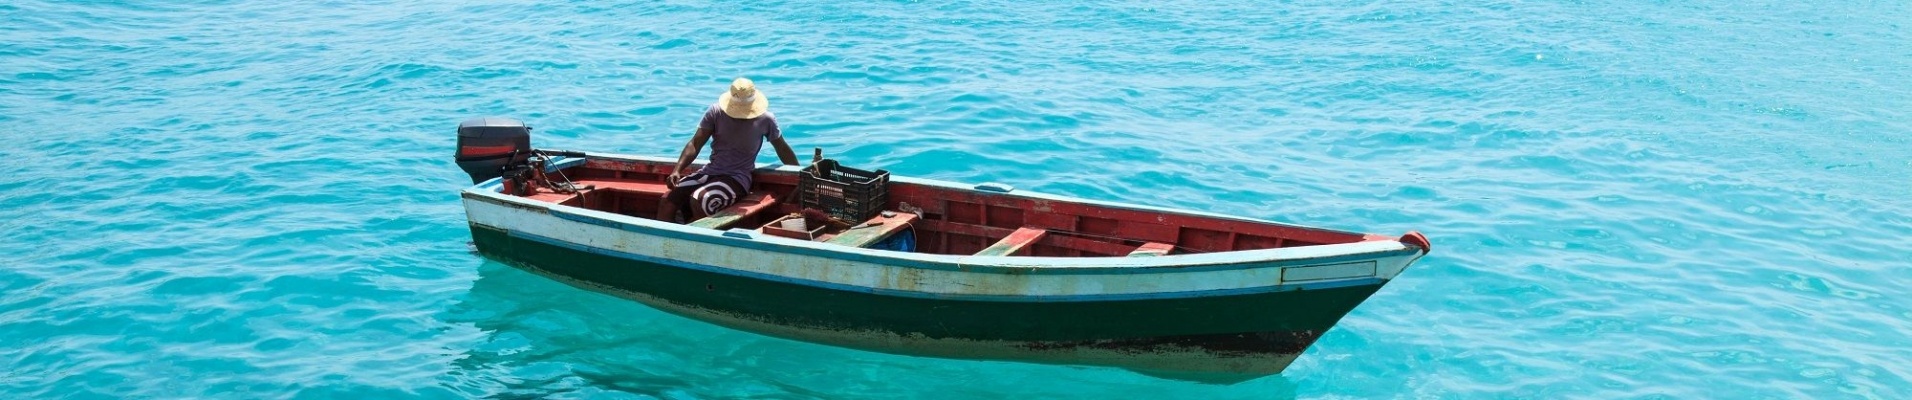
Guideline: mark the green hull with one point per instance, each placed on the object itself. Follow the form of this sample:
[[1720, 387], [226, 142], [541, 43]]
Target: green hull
[[1242, 335]]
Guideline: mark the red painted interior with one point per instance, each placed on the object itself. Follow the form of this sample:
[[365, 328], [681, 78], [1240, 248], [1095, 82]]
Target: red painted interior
[[1160, 249], [1019, 240], [752, 205], [878, 223], [957, 221]]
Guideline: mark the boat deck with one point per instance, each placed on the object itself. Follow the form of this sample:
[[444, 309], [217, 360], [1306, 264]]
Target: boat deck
[[947, 220]]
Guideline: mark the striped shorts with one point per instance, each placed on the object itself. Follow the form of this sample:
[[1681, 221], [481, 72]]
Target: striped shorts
[[700, 195]]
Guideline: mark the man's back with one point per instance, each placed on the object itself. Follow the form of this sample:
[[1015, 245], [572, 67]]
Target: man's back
[[736, 142]]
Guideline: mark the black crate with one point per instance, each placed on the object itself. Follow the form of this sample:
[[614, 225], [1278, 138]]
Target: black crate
[[848, 194]]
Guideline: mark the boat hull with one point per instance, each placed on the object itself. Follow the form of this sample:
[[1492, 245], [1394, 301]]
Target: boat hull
[[1215, 316], [1214, 338]]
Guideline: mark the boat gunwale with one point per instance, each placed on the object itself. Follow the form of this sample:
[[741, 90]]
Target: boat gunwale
[[990, 297], [490, 191], [793, 170]]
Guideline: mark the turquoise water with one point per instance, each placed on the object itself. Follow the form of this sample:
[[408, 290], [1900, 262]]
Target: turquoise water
[[1627, 199]]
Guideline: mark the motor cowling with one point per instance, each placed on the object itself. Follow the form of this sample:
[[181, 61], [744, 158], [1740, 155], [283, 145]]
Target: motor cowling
[[488, 146]]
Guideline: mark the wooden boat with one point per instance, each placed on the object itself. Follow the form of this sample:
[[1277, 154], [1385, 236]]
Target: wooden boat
[[996, 273]]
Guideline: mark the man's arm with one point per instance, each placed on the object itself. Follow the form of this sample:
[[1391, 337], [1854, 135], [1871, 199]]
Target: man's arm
[[784, 153], [691, 149]]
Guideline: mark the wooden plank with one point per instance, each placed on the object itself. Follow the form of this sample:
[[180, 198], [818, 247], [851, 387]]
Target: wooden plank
[[1015, 242], [1152, 249], [551, 197], [1127, 229], [639, 167], [632, 186], [1003, 216], [1087, 245], [866, 234], [749, 206], [1057, 240], [1049, 220]]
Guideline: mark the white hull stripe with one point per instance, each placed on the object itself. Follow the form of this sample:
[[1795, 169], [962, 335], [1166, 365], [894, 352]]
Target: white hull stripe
[[861, 255], [947, 296], [934, 275]]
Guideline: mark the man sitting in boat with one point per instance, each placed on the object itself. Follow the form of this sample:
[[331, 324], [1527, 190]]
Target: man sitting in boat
[[740, 122]]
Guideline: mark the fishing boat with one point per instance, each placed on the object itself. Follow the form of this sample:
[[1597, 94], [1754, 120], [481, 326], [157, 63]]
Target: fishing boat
[[940, 269]]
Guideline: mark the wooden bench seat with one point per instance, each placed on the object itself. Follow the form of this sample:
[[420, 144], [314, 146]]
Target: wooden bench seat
[[866, 234], [1152, 249], [749, 206], [1015, 242]]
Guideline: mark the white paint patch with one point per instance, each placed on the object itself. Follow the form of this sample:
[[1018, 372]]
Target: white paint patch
[[1360, 269], [874, 273]]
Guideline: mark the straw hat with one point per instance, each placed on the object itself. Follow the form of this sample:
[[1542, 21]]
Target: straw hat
[[743, 101]]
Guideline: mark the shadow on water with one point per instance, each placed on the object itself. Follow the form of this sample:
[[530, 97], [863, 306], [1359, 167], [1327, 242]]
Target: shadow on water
[[542, 337]]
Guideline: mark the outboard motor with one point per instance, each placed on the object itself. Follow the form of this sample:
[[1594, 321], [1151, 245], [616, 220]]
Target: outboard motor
[[488, 146]]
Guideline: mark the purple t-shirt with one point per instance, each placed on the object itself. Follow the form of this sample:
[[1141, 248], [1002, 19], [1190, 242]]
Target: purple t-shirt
[[734, 142]]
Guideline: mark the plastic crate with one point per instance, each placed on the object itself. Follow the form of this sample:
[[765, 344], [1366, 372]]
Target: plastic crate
[[847, 194]]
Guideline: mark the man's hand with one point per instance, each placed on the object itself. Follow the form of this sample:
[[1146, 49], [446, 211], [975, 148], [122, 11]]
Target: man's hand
[[689, 154]]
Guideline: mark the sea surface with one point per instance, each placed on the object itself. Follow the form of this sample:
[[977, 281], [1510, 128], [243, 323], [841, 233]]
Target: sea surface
[[1627, 199]]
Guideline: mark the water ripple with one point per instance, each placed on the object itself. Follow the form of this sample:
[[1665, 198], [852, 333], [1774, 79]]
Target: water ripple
[[1639, 200]]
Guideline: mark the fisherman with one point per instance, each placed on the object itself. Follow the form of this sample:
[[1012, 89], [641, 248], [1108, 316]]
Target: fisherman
[[740, 122]]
